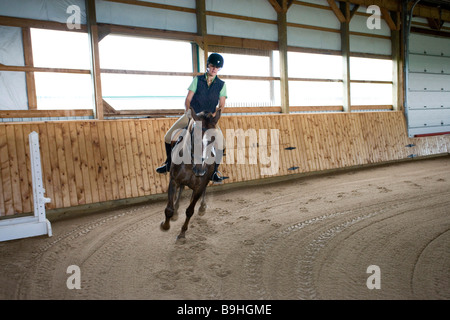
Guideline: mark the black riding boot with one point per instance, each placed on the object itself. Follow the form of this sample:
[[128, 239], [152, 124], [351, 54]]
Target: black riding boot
[[166, 166], [215, 177]]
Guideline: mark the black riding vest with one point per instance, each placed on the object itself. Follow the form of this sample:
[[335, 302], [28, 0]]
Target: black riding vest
[[206, 98]]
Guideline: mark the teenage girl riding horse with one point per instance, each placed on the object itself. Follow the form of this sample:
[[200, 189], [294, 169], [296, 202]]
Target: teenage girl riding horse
[[206, 92]]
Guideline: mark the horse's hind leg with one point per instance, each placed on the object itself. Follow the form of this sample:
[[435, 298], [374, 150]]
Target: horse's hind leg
[[170, 205], [202, 209], [177, 203], [196, 194]]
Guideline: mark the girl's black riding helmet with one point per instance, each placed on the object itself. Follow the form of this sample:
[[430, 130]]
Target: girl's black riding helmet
[[216, 60]]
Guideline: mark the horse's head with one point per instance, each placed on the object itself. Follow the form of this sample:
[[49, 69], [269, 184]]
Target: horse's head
[[203, 140]]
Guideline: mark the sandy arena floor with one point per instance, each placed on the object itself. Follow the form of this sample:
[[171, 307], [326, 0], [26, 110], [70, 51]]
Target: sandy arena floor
[[309, 238]]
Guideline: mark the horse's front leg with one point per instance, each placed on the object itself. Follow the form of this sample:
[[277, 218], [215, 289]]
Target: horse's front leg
[[170, 205], [196, 194]]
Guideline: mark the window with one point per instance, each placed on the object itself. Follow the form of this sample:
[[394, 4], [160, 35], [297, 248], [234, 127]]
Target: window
[[133, 53], [327, 90], [66, 50], [250, 92], [145, 90], [371, 81]]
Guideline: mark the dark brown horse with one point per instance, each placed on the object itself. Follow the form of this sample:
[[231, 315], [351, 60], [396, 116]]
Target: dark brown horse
[[192, 166]]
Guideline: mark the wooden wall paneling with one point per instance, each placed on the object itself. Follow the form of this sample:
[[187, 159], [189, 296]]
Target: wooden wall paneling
[[91, 162], [61, 160], [87, 162], [138, 157], [327, 127], [373, 122], [333, 136], [295, 142], [261, 147], [106, 173], [342, 157], [151, 165], [77, 165], [57, 173], [124, 159], [84, 163], [383, 129], [136, 163], [367, 140], [319, 152], [244, 148], [225, 124], [142, 145], [111, 162], [284, 158], [384, 137], [245, 167], [402, 137], [70, 167], [248, 124], [129, 159], [6, 172], [118, 168], [364, 139], [399, 137], [349, 146], [14, 169], [301, 143], [21, 168], [308, 142], [285, 155], [292, 143], [5, 197], [264, 148], [102, 160], [236, 168], [23, 155], [155, 179], [387, 135], [352, 148]]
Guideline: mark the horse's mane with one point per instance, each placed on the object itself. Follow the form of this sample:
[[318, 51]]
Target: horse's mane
[[208, 119]]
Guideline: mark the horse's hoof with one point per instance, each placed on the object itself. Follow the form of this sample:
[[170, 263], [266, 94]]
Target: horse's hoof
[[163, 226], [174, 217], [181, 237], [201, 211]]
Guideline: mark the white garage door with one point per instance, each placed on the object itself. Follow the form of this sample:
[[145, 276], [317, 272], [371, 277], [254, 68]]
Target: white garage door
[[428, 92]]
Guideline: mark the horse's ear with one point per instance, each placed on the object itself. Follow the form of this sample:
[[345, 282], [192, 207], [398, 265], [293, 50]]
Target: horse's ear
[[217, 116], [194, 115]]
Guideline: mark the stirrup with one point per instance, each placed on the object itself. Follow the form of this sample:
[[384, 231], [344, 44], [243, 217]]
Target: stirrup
[[216, 178]]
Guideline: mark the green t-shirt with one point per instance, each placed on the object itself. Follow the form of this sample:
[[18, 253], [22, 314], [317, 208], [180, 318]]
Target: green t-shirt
[[193, 87]]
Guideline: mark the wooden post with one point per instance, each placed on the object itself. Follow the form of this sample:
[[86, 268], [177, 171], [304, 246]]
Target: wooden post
[[282, 47], [345, 48], [29, 75], [202, 28], [95, 60]]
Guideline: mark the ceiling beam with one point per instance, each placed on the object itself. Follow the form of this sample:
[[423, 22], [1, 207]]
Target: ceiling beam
[[337, 11], [387, 17], [275, 5]]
